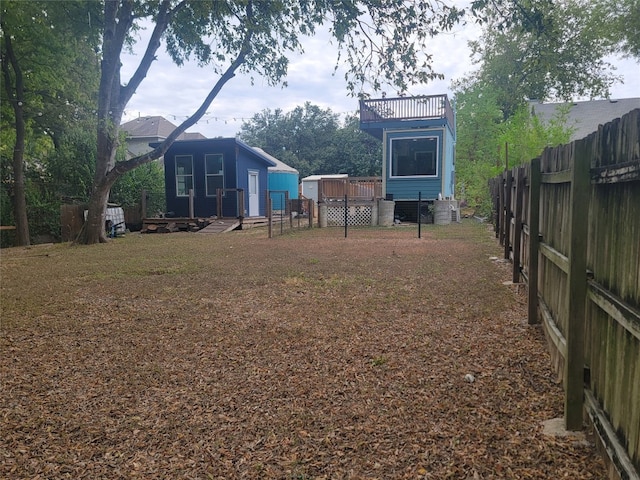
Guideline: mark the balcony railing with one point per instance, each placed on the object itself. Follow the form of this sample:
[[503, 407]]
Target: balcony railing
[[406, 108]]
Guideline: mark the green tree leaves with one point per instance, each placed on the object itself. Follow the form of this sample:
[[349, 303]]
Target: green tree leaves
[[49, 71], [313, 141]]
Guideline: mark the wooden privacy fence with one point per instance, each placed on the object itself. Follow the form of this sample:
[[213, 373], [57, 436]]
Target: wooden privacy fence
[[356, 188], [570, 223]]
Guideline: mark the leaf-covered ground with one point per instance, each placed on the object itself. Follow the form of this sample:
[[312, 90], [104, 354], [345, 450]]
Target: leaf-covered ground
[[305, 356]]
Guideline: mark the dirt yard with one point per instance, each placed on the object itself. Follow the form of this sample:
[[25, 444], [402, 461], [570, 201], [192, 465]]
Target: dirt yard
[[305, 356]]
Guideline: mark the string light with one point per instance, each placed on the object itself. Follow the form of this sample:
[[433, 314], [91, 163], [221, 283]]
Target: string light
[[208, 119]]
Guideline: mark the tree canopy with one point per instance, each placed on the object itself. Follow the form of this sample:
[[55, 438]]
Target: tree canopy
[[314, 141], [562, 58], [49, 71], [538, 50]]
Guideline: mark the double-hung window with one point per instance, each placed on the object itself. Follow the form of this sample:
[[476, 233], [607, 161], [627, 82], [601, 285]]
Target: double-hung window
[[214, 171], [184, 175]]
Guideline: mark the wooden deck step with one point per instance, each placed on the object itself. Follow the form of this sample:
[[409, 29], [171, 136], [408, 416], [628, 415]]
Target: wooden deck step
[[221, 226]]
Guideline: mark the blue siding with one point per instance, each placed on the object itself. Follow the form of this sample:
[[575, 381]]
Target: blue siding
[[408, 188], [405, 187], [449, 165], [377, 129], [279, 181], [237, 159]]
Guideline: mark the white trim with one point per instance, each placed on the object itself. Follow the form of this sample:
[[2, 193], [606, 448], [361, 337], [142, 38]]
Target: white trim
[[207, 174], [175, 164], [414, 137]]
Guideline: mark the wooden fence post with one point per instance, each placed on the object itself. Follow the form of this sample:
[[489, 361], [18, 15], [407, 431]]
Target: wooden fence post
[[577, 285], [269, 216], [219, 203], [534, 239], [517, 231], [191, 209], [500, 213], [507, 213], [240, 201]]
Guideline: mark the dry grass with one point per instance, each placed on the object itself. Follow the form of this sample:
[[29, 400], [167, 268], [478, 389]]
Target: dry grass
[[306, 356]]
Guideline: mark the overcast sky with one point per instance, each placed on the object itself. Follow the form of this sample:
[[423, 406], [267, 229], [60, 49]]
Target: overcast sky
[[176, 92]]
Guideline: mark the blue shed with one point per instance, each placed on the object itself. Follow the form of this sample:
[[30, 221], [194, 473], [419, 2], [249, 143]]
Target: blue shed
[[418, 138], [208, 165], [282, 178]]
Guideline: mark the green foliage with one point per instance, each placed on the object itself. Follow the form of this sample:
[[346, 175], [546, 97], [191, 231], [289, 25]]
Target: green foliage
[[617, 22], [50, 77], [526, 135], [313, 141], [485, 141], [300, 138], [71, 166], [561, 58], [150, 177], [357, 153], [529, 50]]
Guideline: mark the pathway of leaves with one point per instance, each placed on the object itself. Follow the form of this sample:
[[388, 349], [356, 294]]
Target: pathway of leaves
[[307, 356]]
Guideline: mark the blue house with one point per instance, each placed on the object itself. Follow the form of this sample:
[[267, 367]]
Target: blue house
[[418, 138], [208, 165]]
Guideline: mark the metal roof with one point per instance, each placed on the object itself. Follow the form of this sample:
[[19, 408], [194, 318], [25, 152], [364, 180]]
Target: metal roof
[[313, 178], [585, 117], [280, 166]]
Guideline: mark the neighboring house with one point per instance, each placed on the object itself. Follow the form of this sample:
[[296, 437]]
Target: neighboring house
[[418, 138], [205, 166], [585, 117], [147, 130], [282, 178]]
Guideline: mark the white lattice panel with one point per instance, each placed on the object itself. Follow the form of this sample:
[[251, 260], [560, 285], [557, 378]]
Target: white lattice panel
[[356, 215]]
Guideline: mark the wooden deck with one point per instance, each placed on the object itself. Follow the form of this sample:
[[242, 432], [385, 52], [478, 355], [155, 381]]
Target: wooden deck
[[222, 225], [204, 225]]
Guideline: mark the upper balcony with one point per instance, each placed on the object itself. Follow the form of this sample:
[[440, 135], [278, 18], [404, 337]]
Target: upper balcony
[[408, 112]]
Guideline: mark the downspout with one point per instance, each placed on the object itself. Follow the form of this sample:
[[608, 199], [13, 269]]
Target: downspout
[[384, 163]]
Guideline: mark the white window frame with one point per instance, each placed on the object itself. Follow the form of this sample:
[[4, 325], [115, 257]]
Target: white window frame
[[184, 176], [207, 174], [436, 153]]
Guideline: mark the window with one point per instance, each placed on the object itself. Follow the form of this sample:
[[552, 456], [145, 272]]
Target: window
[[414, 157], [214, 171], [184, 175]]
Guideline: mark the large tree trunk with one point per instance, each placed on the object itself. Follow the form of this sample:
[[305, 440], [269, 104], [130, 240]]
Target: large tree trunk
[[17, 100], [113, 98], [94, 227], [109, 117], [19, 194]]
